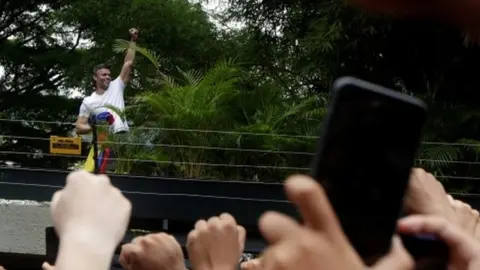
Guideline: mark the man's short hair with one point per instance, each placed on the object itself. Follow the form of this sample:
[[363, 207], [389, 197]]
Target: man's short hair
[[100, 66]]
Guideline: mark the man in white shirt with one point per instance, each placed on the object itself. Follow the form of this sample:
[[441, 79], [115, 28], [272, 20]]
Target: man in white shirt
[[107, 93]]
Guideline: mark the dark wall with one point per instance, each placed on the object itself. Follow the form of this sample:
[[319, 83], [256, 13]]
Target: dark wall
[[155, 200]]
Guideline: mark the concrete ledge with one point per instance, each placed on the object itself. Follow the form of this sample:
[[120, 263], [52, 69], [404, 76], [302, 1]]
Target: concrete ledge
[[22, 226]]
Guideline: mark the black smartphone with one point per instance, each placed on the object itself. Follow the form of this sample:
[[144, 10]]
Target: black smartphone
[[366, 150]]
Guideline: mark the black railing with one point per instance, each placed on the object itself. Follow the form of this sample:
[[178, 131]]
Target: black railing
[[180, 202]]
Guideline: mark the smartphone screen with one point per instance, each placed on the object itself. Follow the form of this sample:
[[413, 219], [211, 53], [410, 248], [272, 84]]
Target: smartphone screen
[[366, 151]]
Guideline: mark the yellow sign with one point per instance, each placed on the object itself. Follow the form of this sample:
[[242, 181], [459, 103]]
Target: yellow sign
[[65, 145]]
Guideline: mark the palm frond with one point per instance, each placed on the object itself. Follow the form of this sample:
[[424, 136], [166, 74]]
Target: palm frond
[[192, 77], [168, 81], [439, 156], [471, 145], [121, 46]]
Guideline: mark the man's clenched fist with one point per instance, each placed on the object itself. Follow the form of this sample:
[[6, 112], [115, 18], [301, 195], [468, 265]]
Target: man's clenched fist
[[216, 243], [158, 251], [133, 33], [91, 207]]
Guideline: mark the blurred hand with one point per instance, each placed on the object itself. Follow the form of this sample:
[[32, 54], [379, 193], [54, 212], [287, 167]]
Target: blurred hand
[[158, 251], [427, 196], [91, 208], [216, 244], [47, 266], [253, 264], [464, 250], [321, 244], [467, 218]]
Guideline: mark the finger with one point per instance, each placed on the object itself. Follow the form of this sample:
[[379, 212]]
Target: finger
[[255, 264], [201, 225], [54, 203], [122, 260], [137, 239], [275, 226], [457, 203], [197, 253], [279, 257], [397, 259], [313, 203], [130, 252], [468, 206], [173, 241], [227, 218], [47, 266], [214, 223], [103, 179], [228, 222], [243, 266], [242, 234], [450, 199], [194, 245], [449, 233], [55, 198], [72, 177], [161, 239]]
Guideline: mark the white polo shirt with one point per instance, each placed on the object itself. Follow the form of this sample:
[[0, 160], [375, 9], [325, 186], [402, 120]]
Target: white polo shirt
[[113, 96]]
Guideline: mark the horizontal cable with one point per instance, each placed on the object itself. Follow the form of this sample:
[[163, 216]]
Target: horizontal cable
[[183, 178], [52, 170], [158, 194], [251, 150], [206, 164], [450, 161], [187, 194], [166, 162], [457, 177], [176, 129], [220, 132]]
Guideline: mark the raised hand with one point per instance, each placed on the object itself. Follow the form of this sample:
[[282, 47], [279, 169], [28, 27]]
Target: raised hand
[[90, 217], [91, 207], [133, 34], [216, 244], [159, 251], [427, 196], [320, 243], [464, 249]]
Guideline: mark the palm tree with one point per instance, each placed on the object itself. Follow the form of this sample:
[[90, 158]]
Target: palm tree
[[193, 101], [217, 100]]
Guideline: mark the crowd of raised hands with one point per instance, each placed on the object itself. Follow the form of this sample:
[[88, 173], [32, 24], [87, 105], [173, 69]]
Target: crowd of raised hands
[[90, 216]]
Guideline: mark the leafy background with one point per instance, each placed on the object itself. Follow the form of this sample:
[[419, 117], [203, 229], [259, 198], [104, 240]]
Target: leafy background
[[254, 70]]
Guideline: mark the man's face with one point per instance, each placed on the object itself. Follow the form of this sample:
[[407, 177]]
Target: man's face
[[102, 78]]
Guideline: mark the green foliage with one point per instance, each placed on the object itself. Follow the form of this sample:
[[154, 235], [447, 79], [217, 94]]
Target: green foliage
[[286, 57]]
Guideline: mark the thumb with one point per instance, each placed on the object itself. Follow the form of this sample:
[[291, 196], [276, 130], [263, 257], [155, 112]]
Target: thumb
[[397, 259], [128, 253], [47, 266]]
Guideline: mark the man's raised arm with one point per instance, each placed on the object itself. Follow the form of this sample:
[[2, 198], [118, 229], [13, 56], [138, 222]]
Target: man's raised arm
[[130, 57]]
